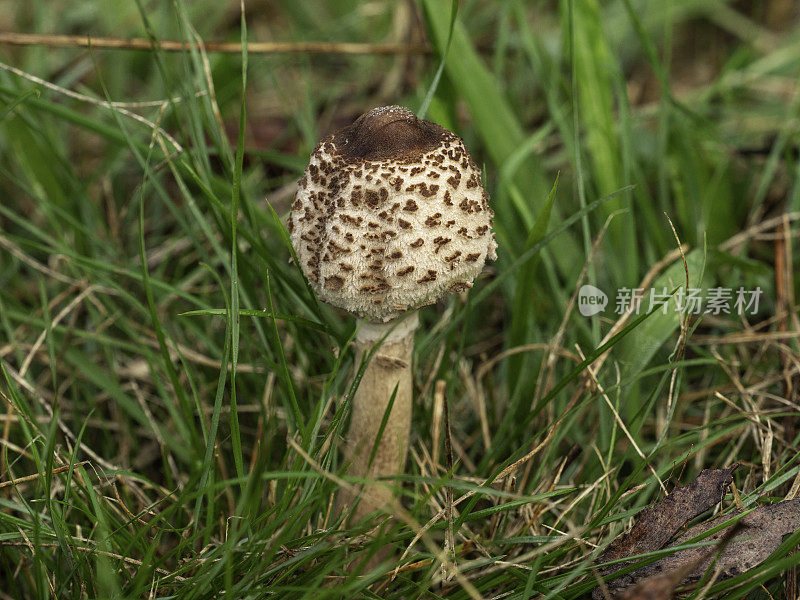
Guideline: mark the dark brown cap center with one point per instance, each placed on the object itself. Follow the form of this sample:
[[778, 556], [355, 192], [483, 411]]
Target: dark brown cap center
[[388, 133]]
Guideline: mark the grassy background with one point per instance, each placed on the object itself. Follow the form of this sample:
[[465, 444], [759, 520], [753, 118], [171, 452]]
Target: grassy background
[[150, 453]]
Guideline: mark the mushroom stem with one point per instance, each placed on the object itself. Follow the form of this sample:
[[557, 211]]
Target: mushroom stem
[[388, 370]]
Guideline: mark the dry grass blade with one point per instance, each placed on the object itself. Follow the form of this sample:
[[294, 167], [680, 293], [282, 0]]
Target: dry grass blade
[[397, 511], [125, 559], [114, 43], [436, 423], [596, 383], [19, 480], [103, 103]]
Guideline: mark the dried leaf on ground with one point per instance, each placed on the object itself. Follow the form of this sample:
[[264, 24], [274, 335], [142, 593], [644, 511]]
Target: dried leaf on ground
[[661, 586], [739, 547], [759, 534], [657, 524]]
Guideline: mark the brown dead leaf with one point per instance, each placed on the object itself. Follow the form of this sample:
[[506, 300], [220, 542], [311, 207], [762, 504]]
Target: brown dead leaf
[[661, 586], [657, 524], [657, 587], [739, 547], [758, 534]]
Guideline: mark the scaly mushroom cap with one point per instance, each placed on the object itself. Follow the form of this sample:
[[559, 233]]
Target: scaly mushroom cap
[[390, 215]]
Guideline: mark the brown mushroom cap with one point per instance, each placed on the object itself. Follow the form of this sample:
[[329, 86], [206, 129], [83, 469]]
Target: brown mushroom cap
[[390, 215]]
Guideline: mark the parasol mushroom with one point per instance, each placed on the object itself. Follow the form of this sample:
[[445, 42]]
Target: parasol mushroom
[[390, 215]]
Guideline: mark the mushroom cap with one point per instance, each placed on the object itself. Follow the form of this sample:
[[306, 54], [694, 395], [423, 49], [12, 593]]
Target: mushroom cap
[[390, 215]]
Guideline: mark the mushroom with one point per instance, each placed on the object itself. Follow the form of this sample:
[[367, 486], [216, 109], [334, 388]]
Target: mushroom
[[390, 215]]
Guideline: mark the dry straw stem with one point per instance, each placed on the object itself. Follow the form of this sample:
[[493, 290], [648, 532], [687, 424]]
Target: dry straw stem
[[119, 107], [46, 401], [96, 551], [114, 43], [20, 480], [396, 509]]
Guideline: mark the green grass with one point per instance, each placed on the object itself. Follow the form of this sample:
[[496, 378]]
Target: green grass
[[178, 394]]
